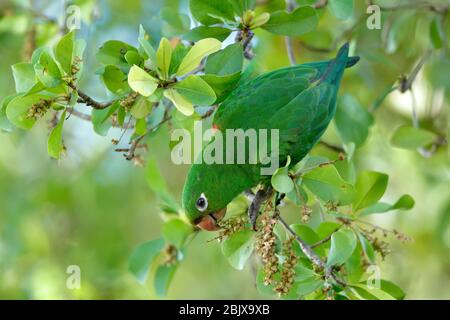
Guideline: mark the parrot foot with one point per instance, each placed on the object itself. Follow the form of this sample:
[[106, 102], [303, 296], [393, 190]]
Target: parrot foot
[[258, 199]]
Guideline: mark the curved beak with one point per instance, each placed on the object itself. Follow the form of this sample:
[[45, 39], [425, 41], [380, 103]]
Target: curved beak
[[209, 222]]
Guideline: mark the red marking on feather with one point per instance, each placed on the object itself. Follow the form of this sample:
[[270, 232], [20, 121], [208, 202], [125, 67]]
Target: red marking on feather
[[215, 127]]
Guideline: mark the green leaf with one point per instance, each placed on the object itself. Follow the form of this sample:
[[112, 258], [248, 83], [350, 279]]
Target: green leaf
[[309, 285], [142, 258], [17, 110], [225, 62], [238, 248], [141, 108], [47, 71], [241, 6], [405, 202], [175, 231], [99, 118], [5, 125], [24, 76], [392, 289], [222, 85], [371, 293], [133, 58], [113, 53], [281, 181], [341, 9], [196, 90], [303, 273], [115, 80], [298, 22], [163, 57], [343, 242], [55, 141], [141, 82], [182, 104], [178, 55], [64, 52], [367, 248], [158, 185], [146, 46], [370, 187], [436, 33], [327, 184], [202, 32], [208, 11], [306, 233], [407, 137], [352, 120], [260, 20], [163, 277], [177, 23], [195, 55]]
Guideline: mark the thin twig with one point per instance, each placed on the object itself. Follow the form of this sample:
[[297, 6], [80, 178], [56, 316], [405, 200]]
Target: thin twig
[[310, 254], [290, 6], [320, 4], [87, 100], [332, 147], [131, 152]]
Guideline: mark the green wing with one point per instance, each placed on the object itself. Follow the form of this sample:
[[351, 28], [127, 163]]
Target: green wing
[[303, 121]]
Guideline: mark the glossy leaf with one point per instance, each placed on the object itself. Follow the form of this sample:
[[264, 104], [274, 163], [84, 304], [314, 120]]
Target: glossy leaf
[[175, 231], [115, 80], [412, 138], [327, 184], [295, 23], [47, 71], [238, 248], [405, 202], [163, 57], [143, 256], [202, 32], [225, 62], [343, 242], [352, 120], [55, 144], [195, 55], [370, 187], [210, 11], [341, 9], [24, 76], [196, 90], [64, 51], [181, 103], [141, 82], [163, 278], [113, 53]]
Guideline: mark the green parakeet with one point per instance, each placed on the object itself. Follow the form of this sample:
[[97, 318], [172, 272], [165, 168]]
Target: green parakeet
[[299, 101]]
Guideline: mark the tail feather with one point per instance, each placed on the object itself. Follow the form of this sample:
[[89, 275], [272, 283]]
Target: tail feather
[[335, 70]]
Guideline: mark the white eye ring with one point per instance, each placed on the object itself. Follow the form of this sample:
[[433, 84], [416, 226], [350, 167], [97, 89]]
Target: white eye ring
[[202, 203]]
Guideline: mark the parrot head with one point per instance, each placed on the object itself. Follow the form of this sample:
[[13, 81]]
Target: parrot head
[[205, 197]]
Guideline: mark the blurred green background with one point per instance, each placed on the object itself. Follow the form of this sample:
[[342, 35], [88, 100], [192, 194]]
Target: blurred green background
[[92, 207]]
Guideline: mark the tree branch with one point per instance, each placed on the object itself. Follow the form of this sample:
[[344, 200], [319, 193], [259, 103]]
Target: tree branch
[[310, 254], [87, 100]]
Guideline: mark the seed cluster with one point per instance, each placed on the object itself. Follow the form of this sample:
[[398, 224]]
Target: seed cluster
[[231, 226], [170, 255], [266, 247], [287, 272], [39, 109], [129, 100], [306, 214]]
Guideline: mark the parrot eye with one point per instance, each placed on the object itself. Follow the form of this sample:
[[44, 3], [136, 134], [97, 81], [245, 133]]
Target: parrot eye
[[202, 203]]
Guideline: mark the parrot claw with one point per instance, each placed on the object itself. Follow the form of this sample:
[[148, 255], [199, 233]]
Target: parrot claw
[[253, 211]]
